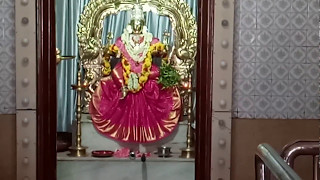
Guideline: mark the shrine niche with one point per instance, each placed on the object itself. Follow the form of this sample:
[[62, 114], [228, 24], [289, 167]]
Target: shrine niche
[[138, 88], [67, 16]]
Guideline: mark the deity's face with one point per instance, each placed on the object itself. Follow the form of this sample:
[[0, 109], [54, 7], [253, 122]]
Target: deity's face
[[137, 26]]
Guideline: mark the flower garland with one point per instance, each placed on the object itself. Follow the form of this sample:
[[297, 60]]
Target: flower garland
[[112, 50], [146, 66], [136, 49], [156, 48]]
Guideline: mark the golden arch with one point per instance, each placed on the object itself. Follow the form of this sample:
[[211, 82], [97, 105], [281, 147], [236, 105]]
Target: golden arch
[[91, 24], [183, 23]]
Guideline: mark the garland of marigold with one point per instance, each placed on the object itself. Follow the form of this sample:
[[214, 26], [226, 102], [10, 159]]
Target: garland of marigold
[[153, 49], [144, 73], [112, 50], [145, 67]]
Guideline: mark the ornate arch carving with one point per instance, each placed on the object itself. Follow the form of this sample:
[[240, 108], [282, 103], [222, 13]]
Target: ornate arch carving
[[92, 18], [91, 24]]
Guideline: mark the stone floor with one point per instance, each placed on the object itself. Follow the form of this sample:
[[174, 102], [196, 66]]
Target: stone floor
[[155, 168]]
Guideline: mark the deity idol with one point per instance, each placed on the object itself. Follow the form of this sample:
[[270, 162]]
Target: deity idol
[[130, 103]]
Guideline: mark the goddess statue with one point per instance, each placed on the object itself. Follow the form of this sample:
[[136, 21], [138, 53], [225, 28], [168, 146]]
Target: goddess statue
[[130, 103]]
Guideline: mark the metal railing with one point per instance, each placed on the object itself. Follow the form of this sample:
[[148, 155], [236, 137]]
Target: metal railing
[[268, 160], [302, 148], [269, 164]]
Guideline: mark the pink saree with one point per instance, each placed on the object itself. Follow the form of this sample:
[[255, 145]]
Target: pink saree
[[146, 116]]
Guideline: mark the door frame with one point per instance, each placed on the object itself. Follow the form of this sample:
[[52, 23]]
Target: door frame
[[47, 101]]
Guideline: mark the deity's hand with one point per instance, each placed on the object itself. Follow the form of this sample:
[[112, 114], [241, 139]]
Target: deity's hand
[[107, 52], [163, 53], [160, 50], [118, 54], [111, 50], [106, 70], [124, 92]]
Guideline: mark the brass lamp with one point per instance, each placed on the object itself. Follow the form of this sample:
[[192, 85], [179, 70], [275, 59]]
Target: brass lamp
[[188, 151], [77, 150]]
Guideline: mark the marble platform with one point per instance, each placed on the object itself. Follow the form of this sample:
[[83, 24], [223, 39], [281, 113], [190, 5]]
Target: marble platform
[[155, 168], [95, 141]]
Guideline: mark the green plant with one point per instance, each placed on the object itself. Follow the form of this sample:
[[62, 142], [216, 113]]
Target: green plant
[[169, 76]]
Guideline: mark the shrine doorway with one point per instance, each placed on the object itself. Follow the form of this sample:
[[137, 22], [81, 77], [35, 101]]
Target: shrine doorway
[[47, 102]]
